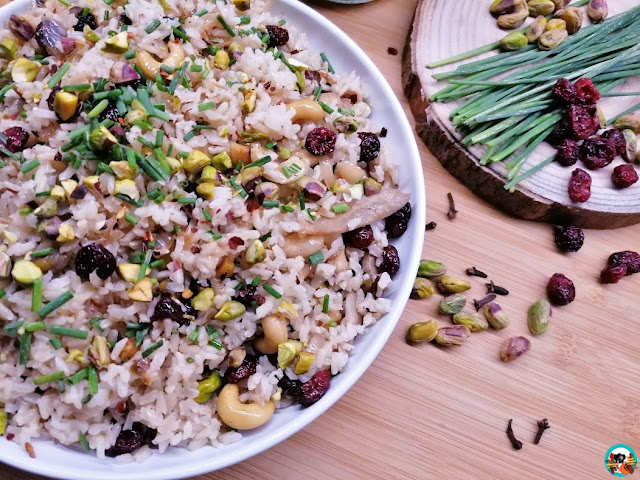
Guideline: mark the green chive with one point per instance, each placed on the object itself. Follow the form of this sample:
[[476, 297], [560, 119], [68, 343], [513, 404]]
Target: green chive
[[61, 387], [95, 323], [45, 252], [25, 211], [68, 332], [98, 109], [326, 107], [167, 68], [55, 79], [187, 200], [226, 26], [325, 304], [190, 135], [256, 280], [324, 58], [35, 327], [83, 87], [245, 19], [204, 73], [216, 236], [55, 343], [78, 376], [206, 215], [55, 304], [193, 336], [130, 54], [51, 377], [260, 162], [152, 349], [129, 200], [332, 323], [36, 295], [3, 293], [130, 218], [93, 380], [316, 258], [13, 327], [201, 13], [27, 167], [189, 360], [178, 32], [272, 291], [152, 26], [270, 145], [5, 89], [145, 264], [87, 399], [81, 436], [46, 193], [206, 106], [340, 208], [25, 348], [346, 111], [157, 264], [195, 68]]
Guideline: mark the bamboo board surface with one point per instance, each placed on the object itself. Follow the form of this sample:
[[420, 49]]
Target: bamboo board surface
[[427, 413]]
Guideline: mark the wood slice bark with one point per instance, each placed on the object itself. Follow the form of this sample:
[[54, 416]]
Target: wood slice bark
[[442, 28]]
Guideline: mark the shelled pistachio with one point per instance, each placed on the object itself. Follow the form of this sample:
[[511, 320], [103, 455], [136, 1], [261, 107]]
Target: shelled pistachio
[[515, 19], [597, 10], [474, 321], [551, 39], [422, 332], [573, 18], [540, 7], [514, 41], [536, 28]]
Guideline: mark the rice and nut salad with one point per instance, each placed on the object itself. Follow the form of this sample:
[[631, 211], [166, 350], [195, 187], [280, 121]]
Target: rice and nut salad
[[195, 217]]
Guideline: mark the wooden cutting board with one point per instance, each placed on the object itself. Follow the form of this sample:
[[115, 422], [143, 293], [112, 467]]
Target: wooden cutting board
[[422, 413], [443, 28]]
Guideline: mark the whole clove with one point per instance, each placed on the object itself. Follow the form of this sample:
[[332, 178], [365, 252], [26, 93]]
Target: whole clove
[[430, 226], [515, 443], [452, 213], [542, 426], [392, 51], [497, 289], [474, 272], [483, 301]]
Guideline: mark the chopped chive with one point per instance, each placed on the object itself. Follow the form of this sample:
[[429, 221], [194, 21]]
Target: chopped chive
[[87, 399], [272, 291], [340, 208], [128, 199], [108, 2], [286, 208], [55, 79], [347, 111], [245, 19], [45, 193], [130, 218], [190, 135], [61, 386], [35, 327], [51, 377], [129, 54], [25, 348], [36, 295], [215, 344], [138, 258], [302, 203], [193, 336], [187, 200], [201, 13], [25, 211], [206, 106], [145, 263], [216, 236], [5, 89], [312, 215], [98, 109], [152, 26], [68, 332], [178, 32], [152, 349], [316, 258], [95, 323], [204, 73], [226, 26], [13, 327], [239, 188], [195, 68], [325, 304], [78, 376], [282, 22], [324, 58], [271, 144], [206, 215], [332, 323], [167, 68], [93, 380], [27, 167], [326, 107], [260, 162], [146, 142], [55, 343], [157, 264], [83, 441], [82, 87], [55, 304], [256, 280], [45, 252], [159, 138], [237, 168]]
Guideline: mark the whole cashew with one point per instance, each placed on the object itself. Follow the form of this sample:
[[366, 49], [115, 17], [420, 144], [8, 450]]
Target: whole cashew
[[275, 332], [238, 415], [306, 110], [150, 66]]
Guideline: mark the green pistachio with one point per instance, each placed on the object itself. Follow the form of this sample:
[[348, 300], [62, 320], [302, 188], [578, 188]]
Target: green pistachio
[[248, 137], [221, 60], [8, 48], [48, 209], [255, 253], [540, 7], [573, 18], [537, 28], [422, 332], [514, 41], [628, 122], [597, 10], [25, 272], [100, 350], [24, 70], [209, 174], [4, 419], [230, 310], [631, 151], [206, 190], [502, 7], [287, 352], [452, 285], [428, 268], [117, 44], [207, 387], [371, 187], [102, 139], [513, 348], [65, 105], [474, 321], [452, 304], [538, 317], [551, 39], [496, 317], [242, 5], [422, 288], [452, 336], [134, 116], [222, 161], [249, 103], [195, 162], [90, 35], [515, 19], [203, 301], [556, 24], [305, 360]]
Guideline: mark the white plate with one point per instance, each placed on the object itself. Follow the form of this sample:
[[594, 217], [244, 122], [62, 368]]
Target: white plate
[[72, 464]]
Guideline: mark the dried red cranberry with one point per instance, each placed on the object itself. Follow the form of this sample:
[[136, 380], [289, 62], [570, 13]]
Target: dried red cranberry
[[596, 152], [397, 223], [314, 389], [128, 441], [290, 387], [244, 371], [235, 242], [109, 113], [95, 257], [581, 124], [628, 258], [169, 308], [567, 153], [569, 239], [390, 260], [592, 109], [565, 91], [369, 146], [17, 138], [560, 133], [85, 17], [624, 176], [580, 186], [320, 141], [359, 238], [613, 273], [560, 290], [586, 91], [278, 36], [616, 138], [247, 296]]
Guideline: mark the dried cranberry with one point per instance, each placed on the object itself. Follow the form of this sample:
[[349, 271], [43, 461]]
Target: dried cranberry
[[94, 257], [320, 141], [290, 387], [581, 123], [560, 133], [580, 186], [397, 223], [314, 389], [567, 153], [624, 176], [613, 273], [628, 258], [616, 138], [244, 371], [312, 76], [569, 239], [79, 192], [390, 260], [17, 138], [247, 296], [85, 17], [109, 113], [369, 146], [278, 36], [596, 152], [560, 290], [565, 91], [235, 242], [592, 109], [359, 238], [169, 308], [586, 91], [128, 441]]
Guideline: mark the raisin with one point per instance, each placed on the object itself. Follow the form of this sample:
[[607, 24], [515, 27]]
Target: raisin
[[567, 153], [624, 176], [314, 389], [390, 260], [320, 141], [586, 91], [244, 371], [596, 152], [560, 133], [613, 273], [628, 258], [125, 20], [359, 238], [17, 138], [169, 308], [397, 223], [581, 124], [560, 290], [109, 113], [278, 36], [312, 76], [95, 257], [247, 296], [290, 387], [580, 186], [128, 441], [616, 138], [565, 91], [569, 239], [369, 146], [85, 17], [21, 28]]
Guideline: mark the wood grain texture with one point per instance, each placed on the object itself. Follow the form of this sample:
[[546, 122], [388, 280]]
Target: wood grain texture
[[542, 196], [430, 414]]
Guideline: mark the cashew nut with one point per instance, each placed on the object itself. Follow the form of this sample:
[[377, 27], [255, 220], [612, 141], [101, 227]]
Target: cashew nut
[[295, 246], [238, 415], [275, 332], [306, 110], [150, 66], [349, 172]]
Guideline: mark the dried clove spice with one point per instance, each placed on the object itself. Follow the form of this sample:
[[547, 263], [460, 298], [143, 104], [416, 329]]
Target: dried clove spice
[[474, 272], [483, 301], [497, 289], [515, 443], [542, 426], [452, 213], [430, 226]]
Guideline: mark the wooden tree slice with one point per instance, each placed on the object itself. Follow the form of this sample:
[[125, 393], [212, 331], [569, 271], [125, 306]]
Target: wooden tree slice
[[443, 28]]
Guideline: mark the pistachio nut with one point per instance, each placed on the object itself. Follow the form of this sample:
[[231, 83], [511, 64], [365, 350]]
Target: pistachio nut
[[89, 35], [221, 60], [452, 336], [474, 321], [496, 317], [5, 265], [597, 10], [8, 48], [195, 161], [122, 169], [628, 122], [536, 29], [65, 105], [551, 39], [142, 291], [25, 272], [24, 70], [249, 176], [117, 44], [345, 124], [560, 4], [452, 285], [429, 268], [255, 253], [127, 187], [502, 7], [242, 5], [371, 187], [266, 191], [515, 19], [101, 138], [538, 317], [130, 272], [513, 348], [206, 190], [203, 301], [540, 7], [209, 174], [249, 103], [4, 420], [422, 332], [287, 352], [452, 304], [207, 387], [305, 360], [222, 161], [230, 310], [225, 267], [287, 310], [48, 209], [556, 24], [514, 41], [422, 288], [573, 18], [313, 189], [631, 151], [100, 350], [65, 233]]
